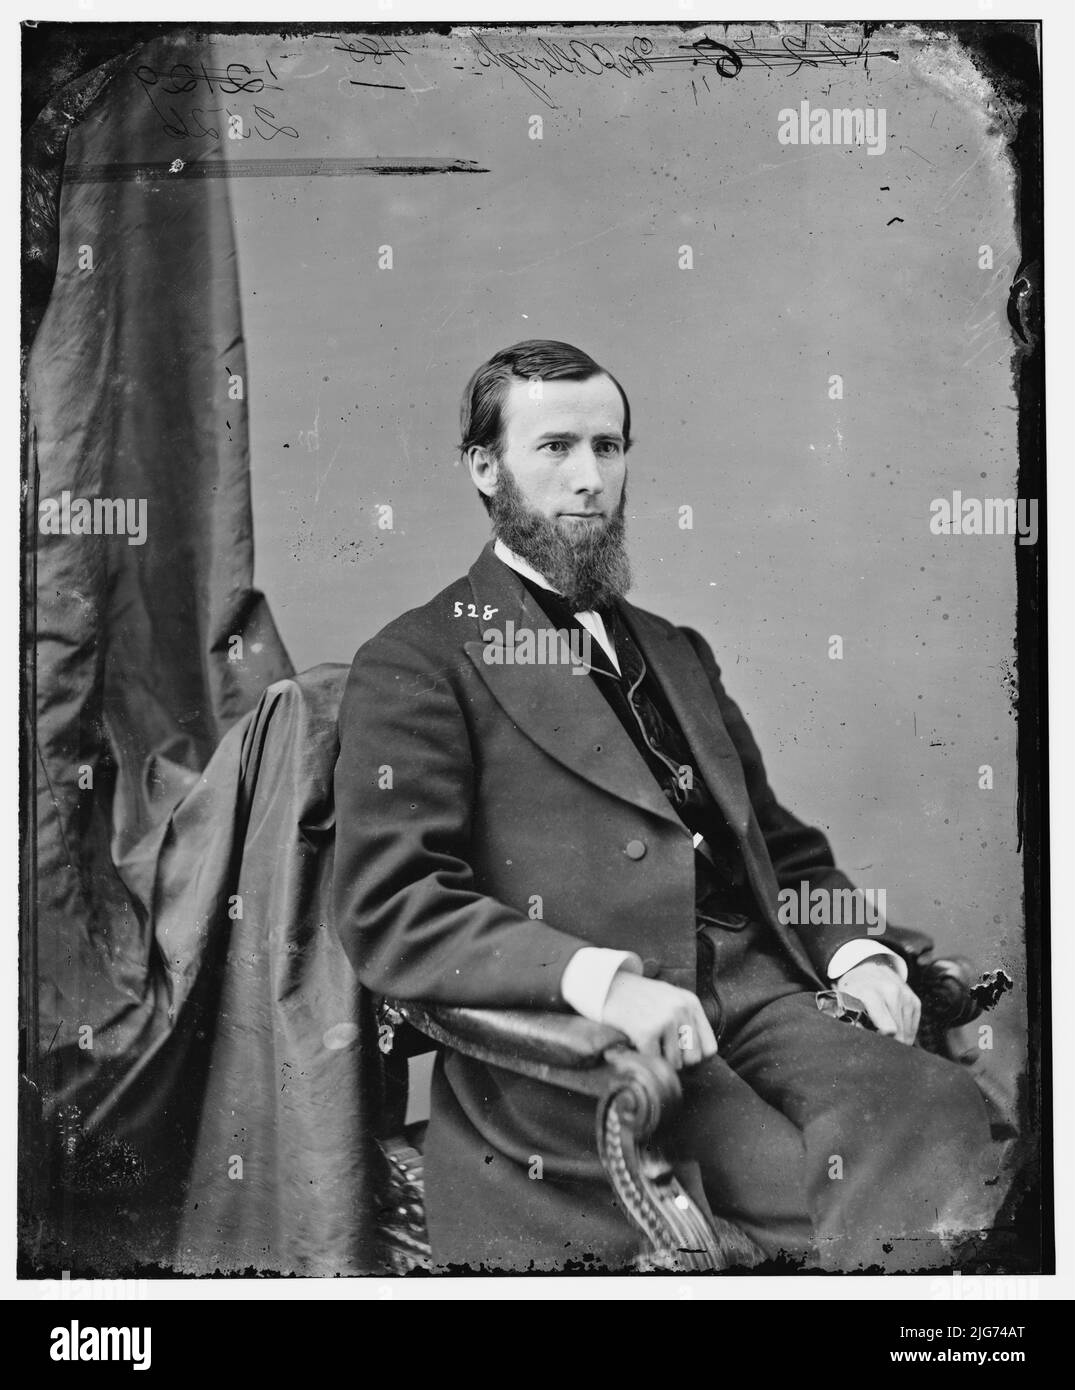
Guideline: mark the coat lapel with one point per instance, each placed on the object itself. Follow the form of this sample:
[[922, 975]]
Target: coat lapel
[[560, 710]]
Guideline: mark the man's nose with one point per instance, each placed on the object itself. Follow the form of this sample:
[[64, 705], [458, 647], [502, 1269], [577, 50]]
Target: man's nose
[[586, 473]]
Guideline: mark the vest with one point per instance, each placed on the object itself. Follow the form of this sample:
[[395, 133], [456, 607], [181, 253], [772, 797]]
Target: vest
[[634, 695]]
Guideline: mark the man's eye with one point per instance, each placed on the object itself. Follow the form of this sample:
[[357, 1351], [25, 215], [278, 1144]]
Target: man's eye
[[608, 446], [557, 444]]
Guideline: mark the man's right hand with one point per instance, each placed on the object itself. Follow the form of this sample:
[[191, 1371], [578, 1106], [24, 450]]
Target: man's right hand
[[660, 1019]]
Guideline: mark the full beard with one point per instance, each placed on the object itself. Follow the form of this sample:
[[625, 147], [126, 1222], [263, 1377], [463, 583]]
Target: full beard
[[587, 563]]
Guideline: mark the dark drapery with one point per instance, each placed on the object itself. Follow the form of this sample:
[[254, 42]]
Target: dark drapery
[[166, 1029]]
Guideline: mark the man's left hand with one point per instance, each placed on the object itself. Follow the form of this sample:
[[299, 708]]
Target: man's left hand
[[894, 1009]]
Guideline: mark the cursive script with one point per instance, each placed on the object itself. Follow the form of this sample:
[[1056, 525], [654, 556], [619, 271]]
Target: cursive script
[[165, 89], [704, 56]]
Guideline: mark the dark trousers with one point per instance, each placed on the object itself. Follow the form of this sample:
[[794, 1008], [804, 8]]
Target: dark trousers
[[827, 1142]]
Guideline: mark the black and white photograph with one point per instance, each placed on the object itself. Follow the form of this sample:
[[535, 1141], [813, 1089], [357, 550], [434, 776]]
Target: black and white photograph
[[533, 736]]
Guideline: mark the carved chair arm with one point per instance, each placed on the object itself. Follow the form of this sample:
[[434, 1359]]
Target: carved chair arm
[[947, 990], [951, 997], [532, 1042], [636, 1096]]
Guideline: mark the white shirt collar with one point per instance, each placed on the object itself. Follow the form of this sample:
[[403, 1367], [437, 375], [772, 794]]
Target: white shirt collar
[[517, 563]]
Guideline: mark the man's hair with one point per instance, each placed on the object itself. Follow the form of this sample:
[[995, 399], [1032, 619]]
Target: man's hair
[[481, 418]]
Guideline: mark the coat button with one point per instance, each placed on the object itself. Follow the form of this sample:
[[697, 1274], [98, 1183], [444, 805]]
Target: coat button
[[635, 849], [650, 967]]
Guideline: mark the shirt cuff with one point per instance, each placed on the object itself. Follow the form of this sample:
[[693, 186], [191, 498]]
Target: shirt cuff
[[588, 976], [853, 953]]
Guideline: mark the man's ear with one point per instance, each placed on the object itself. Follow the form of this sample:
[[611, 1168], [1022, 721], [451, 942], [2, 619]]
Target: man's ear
[[483, 467]]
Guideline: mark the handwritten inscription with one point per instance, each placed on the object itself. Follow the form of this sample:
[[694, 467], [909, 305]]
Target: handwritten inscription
[[188, 77], [533, 59], [704, 56], [168, 92], [573, 57], [374, 49]]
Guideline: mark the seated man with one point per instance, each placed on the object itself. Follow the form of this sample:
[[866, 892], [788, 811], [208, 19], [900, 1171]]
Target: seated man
[[545, 799]]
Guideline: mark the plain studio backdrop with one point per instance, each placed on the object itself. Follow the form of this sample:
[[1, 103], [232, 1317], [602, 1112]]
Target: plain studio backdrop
[[725, 278]]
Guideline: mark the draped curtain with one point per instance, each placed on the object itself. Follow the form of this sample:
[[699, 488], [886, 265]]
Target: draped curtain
[[175, 964]]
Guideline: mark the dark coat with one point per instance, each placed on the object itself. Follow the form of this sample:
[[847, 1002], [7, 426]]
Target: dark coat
[[484, 814]]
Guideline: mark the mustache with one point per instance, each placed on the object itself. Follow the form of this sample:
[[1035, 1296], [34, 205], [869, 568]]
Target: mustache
[[589, 564]]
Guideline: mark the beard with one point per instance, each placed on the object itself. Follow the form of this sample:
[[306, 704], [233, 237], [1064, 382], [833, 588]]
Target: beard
[[587, 563]]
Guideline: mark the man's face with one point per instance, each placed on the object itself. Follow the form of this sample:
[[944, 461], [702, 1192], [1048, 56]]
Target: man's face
[[563, 444], [557, 487]]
